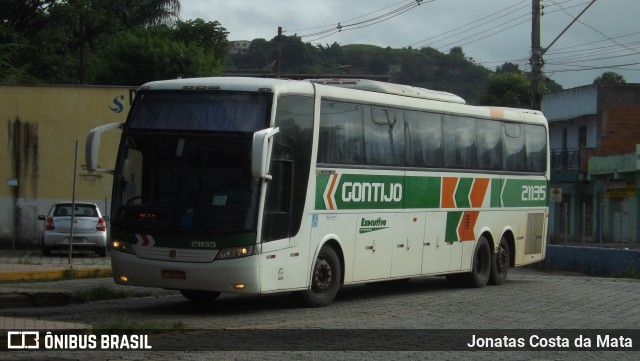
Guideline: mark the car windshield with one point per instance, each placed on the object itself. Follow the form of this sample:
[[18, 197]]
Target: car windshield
[[62, 210]]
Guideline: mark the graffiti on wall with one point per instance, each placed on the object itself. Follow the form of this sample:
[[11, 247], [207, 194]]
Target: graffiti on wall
[[23, 148]]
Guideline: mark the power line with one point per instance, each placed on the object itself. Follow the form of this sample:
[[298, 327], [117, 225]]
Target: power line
[[467, 25], [349, 25]]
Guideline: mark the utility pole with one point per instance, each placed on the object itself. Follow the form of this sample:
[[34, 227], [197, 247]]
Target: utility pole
[[536, 56], [279, 51], [537, 51]]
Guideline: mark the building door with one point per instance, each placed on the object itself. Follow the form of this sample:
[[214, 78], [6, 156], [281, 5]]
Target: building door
[[585, 203], [620, 224], [563, 217]]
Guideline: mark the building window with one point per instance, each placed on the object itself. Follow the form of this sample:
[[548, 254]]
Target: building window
[[582, 137]]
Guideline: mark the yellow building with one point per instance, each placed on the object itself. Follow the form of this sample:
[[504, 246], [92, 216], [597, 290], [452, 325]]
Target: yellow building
[[42, 125]]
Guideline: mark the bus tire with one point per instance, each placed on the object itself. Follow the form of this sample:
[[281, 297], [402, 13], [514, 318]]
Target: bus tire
[[325, 279], [481, 266], [500, 263], [200, 296]]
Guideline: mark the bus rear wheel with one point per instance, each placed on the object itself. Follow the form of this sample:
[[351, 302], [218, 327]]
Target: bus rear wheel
[[325, 280], [481, 268], [500, 263], [200, 296]]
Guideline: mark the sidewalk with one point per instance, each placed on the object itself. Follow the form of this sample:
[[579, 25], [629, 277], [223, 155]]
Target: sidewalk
[[20, 271], [31, 265]]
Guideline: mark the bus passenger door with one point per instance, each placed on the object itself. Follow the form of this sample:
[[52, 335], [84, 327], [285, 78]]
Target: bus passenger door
[[374, 240], [436, 255], [407, 245]]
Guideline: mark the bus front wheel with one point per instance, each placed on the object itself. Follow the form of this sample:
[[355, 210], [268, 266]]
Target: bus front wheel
[[325, 279]]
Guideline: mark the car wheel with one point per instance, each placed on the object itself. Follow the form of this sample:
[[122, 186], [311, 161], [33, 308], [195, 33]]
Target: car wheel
[[101, 251], [46, 251]]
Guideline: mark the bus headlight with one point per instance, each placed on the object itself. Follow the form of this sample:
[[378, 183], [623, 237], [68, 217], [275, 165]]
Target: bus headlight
[[122, 246], [235, 252]]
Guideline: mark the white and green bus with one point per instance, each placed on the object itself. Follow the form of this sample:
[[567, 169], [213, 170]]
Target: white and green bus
[[255, 185]]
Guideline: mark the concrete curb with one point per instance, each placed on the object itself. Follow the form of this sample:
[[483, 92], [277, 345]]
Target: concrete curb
[[38, 299], [592, 260], [59, 274]]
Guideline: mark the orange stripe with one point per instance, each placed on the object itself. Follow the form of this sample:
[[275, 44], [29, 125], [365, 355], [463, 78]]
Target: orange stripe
[[331, 187], [496, 113], [467, 224], [449, 185], [478, 191]]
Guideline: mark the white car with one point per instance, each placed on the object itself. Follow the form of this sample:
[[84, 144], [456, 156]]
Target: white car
[[89, 228]]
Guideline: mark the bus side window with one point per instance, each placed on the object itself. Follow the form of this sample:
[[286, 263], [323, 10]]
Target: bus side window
[[536, 148], [459, 142], [489, 144], [277, 211], [423, 133], [513, 147]]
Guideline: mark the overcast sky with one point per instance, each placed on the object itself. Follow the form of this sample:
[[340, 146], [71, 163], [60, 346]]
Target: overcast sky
[[605, 38]]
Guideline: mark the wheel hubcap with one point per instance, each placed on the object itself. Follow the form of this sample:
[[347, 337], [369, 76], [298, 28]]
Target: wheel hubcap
[[503, 259], [322, 275]]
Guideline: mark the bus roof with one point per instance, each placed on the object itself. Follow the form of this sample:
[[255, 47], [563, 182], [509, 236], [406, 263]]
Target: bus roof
[[390, 88], [228, 83], [447, 102]]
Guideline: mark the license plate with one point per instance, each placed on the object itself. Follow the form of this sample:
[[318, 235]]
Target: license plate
[[173, 274]]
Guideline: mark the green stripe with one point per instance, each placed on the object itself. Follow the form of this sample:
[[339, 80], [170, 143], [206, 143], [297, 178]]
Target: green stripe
[[462, 192], [321, 184], [370, 191], [451, 233], [496, 189], [422, 192]]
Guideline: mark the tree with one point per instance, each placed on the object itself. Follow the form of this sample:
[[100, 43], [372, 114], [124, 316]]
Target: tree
[[508, 68], [147, 13], [211, 36], [610, 77], [140, 55], [48, 41], [507, 90]]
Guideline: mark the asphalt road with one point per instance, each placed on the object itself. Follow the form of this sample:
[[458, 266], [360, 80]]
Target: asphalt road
[[421, 319]]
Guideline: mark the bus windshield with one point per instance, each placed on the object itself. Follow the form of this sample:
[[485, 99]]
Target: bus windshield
[[185, 183], [200, 111]]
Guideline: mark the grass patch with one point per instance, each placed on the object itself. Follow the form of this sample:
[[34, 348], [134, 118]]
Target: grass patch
[[28, 261], [99, 293], [124, 325], [631, 272], [74, 273]]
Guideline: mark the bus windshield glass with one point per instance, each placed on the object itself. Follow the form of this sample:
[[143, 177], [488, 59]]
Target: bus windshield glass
[[200, 111], [184, 163], [198, 184]]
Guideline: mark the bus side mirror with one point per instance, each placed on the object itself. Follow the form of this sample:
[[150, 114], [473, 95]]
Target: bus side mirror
[[261, 152], [92, 147]]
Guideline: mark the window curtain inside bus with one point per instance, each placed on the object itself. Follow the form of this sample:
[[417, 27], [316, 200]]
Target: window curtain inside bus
[[340, 133], [383, 136], [424, 136], [459, 141], [186, 111]]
